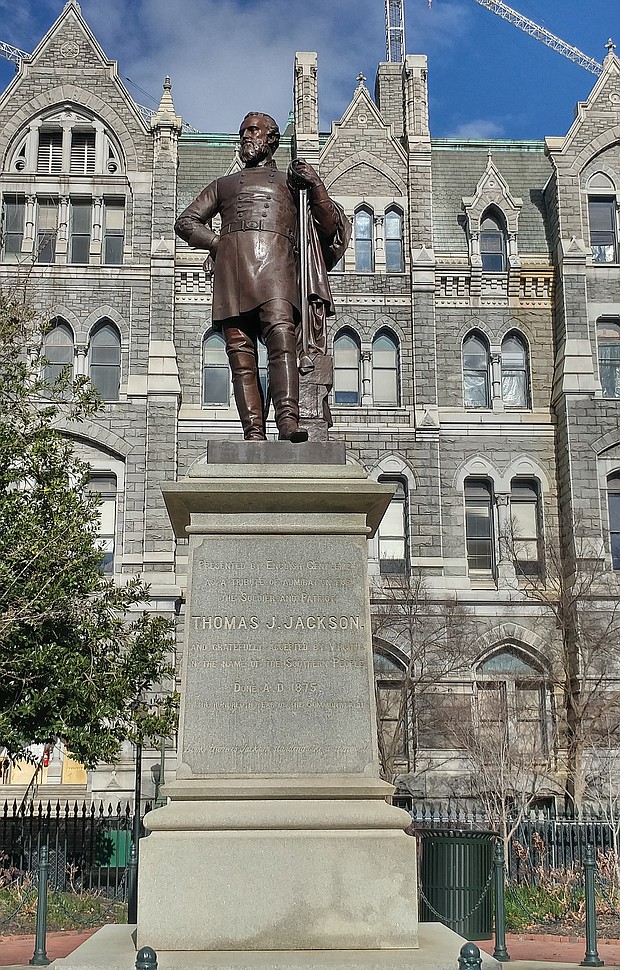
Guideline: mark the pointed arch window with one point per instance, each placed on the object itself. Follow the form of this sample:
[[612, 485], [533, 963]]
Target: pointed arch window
[[385, 370], [515, 372], [58, 352], [613, 506], [393, 224], [364, 241], [476, 384], [512, 694], [346, 369], [215, 371], [105, 360], [493, 242], [608, 340]]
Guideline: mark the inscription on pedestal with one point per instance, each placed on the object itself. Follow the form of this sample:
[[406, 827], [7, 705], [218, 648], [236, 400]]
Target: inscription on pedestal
[[278, 674]]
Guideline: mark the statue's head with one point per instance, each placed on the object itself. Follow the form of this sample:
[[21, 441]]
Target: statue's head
[[260, 137]]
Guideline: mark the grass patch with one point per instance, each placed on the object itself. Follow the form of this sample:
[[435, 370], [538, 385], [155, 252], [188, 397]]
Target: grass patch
[[65, 910]]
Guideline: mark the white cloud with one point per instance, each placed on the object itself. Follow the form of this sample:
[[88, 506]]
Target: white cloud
[[480, 128], [227, 56]]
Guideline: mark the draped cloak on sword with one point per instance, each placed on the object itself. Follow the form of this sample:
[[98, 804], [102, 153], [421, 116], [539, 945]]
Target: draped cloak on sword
[[318, 255]]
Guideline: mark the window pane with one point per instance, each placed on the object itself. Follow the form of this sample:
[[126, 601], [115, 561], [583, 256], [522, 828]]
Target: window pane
[[602, 217], [346, 370], [215, 350], [14, 214], [363, 241], [363, 225], [216, 382], [478, 525], [113, 249], [80, 216]]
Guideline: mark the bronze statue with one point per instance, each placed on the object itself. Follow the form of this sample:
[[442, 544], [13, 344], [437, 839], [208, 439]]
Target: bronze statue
[[256, 288]]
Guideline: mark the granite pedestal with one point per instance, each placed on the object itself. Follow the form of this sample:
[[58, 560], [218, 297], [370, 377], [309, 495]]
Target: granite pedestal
[[278, 835]]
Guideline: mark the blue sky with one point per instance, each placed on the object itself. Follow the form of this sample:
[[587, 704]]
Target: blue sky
[[225, 57]]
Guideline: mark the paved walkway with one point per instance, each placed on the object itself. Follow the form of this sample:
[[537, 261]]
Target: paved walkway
[[527, 952]]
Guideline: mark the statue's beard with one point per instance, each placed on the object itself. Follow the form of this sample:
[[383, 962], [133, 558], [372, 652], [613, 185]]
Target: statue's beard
[[253, 152]]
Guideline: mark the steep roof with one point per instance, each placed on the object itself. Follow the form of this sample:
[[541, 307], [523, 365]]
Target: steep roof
[[457, 167]]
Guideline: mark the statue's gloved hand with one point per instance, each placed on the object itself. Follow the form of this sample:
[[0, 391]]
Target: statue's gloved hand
[[301, 175]]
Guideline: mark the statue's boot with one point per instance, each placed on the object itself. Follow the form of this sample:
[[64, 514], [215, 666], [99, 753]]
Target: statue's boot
[[246, 385], [284, 383]]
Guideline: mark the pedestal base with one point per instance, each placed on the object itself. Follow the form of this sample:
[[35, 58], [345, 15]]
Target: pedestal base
[[279, 874], [113, 948]]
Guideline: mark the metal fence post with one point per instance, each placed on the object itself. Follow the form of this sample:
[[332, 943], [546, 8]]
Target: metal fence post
[[591, 958], [469, 957], [132, 895], [39, 957], [146, 959], [500, 952]]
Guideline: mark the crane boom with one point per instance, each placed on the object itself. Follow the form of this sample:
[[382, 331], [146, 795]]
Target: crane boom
[[540, 33], [11, 53], [395, 30]]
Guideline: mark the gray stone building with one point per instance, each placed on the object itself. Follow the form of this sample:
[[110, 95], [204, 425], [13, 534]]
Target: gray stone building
[[476, 359]]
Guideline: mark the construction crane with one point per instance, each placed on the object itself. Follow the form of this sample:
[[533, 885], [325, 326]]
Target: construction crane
[[395, 31], [540, 33], [15, 55]]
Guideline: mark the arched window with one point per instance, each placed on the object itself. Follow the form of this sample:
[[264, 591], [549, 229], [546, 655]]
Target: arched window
[[105, 485], [493, 242], [364, 239], [476, 371], [512, 702], [608, 340], [105, 360], [215, 370], [385, 370], [392, 531], [66, 140], [515, 376], [525, 518], [58, 353], [346, 369], [479, 535], [613, 505], [394, 241]]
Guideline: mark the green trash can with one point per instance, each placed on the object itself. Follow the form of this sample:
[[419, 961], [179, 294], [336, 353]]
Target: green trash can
[[456, 885]]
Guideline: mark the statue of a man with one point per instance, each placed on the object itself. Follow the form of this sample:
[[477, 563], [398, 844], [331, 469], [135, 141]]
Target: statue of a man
[[256, 289]]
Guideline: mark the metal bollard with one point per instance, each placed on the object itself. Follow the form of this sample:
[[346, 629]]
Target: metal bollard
[[146, 959], [500, 952], [469, 957], [591, 958], [39, 957], [132, 885]]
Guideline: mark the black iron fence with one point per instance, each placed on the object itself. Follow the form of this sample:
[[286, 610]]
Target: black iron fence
[[88, 846], [543, 840]]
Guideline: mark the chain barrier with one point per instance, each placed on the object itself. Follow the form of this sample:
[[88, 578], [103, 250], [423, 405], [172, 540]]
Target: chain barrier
[[600, 883], [461, 919], [30, 894], [95, 920], [569, 907]]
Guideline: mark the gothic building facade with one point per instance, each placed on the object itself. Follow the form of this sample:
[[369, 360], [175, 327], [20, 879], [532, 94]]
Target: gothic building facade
[[476, 355]]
